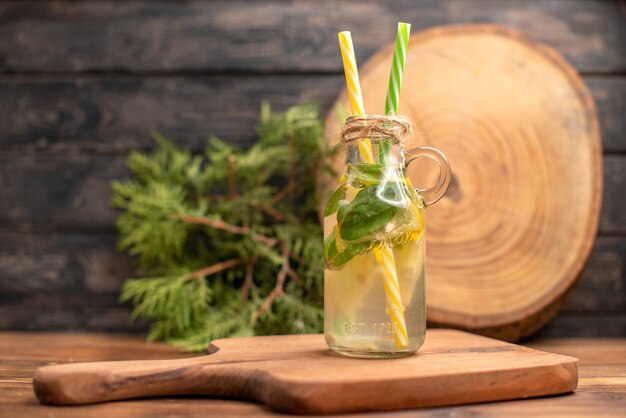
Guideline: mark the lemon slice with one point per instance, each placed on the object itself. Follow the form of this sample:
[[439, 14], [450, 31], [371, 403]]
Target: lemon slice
[[410, 267], [347, 287]]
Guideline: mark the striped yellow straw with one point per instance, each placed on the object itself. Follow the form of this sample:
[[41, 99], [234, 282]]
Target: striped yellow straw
[[383, 255], [354, 89]]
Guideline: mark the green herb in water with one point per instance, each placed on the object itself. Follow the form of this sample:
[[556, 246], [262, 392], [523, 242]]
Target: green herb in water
[[381, 197]]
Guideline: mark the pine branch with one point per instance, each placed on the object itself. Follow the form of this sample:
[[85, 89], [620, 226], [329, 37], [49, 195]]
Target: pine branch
[[232, 184], [247, 283], [291, 177], [234, 229], [215, 268], [294, 274], [289, 187], [257, 266], [278, 289], [271, 212]]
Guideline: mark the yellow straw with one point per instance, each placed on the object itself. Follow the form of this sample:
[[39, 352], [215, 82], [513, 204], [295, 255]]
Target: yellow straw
[[354, 89], [383, 255]]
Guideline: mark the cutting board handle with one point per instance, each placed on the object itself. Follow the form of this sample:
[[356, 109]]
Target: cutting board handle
[[84, 383]]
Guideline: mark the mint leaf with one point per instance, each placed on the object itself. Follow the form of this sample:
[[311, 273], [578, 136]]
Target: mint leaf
[[367, 212], [333, 201], [335, 259], [365, 173]]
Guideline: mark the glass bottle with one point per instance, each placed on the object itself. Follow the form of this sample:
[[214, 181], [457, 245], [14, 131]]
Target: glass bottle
[[374, 244]]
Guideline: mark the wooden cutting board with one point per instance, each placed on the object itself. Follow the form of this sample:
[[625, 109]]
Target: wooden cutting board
[[299, 374]]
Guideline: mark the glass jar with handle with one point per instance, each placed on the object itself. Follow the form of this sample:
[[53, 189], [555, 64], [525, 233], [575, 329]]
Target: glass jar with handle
[[374, 242]]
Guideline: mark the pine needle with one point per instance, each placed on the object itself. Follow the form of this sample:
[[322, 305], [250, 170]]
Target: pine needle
[[229, 241]]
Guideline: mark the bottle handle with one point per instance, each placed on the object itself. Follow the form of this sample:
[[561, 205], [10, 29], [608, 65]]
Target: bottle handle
[[432, 194]]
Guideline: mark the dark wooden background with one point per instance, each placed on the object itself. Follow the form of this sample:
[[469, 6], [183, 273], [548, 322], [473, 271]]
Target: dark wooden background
[[82, 83]]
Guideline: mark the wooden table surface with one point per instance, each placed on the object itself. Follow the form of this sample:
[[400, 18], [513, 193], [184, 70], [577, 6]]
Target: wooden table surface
[[601, 388]]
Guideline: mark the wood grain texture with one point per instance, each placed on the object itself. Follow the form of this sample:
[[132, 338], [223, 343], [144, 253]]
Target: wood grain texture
[[596, 352], [586, 324], [77, 312], [602, 286], [83, 80], [299, 374], [60, 116], [59, 263], [613, 201], [511, 236], [277, 36], [601, 390], [114, 115], [63, 281], [72, 193], [609, 95], [71, 281]]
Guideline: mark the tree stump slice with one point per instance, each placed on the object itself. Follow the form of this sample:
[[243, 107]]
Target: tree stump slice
[[510, 238]]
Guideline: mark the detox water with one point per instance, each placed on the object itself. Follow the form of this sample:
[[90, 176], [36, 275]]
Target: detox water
[[374, 225], [374, 243], [356, 319]]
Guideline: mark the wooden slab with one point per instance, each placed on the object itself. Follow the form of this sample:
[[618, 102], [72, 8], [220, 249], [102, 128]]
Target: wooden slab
[[519, 127], [299, 374]]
